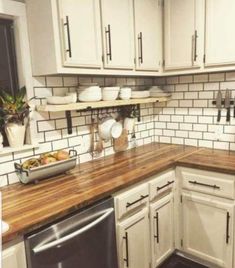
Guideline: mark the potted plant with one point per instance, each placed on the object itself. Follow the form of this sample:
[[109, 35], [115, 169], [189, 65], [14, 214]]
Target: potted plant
[[14, 111]]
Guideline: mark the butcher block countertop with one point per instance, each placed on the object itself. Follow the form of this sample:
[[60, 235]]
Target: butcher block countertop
[[28, 207]]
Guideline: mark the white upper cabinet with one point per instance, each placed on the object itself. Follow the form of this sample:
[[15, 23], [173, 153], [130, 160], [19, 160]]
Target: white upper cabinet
[[117, 28], [148, 34], [80, 31], [220, 39], [183, 33]]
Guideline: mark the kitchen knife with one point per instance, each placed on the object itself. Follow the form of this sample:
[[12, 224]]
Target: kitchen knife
[[219, 105], [227, 104]]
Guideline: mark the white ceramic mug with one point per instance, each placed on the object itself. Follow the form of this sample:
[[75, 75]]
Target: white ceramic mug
[[129, 124]]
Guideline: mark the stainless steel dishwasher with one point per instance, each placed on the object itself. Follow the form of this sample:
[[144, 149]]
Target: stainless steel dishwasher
[[84, 240]]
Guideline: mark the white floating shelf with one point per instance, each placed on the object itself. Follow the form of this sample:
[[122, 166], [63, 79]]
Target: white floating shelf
[[99, 104], [8, 150]]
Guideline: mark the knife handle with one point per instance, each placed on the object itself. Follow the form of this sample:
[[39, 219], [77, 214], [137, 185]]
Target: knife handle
[[219, 115], [228, 115]]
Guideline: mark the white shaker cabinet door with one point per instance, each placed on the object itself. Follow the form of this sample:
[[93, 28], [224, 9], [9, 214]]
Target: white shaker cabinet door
[[81, 33], [183, 34], [162, 229], [208, 229], [14, 256], [148, 34], [220, 37], [118, 39], [133, 241]]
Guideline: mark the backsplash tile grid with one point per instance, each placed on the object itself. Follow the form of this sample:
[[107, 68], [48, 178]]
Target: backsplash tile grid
[[190, 118]]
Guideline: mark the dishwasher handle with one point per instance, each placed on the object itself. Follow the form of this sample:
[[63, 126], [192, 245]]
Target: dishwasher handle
[[65, 239]]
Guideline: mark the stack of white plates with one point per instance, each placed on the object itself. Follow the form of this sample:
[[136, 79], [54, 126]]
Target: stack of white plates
[[140, 94], [89, 93], [156, 92]]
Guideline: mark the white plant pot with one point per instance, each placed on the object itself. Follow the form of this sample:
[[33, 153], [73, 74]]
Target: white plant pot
[[15, 134]]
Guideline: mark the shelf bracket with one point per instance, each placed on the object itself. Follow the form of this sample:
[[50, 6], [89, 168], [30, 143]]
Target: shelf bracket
[[69, 122], [138, 112]]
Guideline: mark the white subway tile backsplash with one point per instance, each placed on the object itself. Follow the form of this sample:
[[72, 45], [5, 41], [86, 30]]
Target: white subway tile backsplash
[[216, 77], [196, 87], [54, 81], [205, 143], [172, 80], [46, 125], [186, 103], [186, 79], [227, 85], [181, 87], [206, 95], [188, 118], [200, 78], [191, 142], [230, 76], [190, 95], [60, 144], [211, 86], [221, 145], [177, 141], [183, 134], [70, 81]]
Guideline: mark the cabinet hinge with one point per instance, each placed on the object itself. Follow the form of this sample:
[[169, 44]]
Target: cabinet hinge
[[163, 63], [181, 199], [134, 60], [204, 58], [102, 58], [181, 242]]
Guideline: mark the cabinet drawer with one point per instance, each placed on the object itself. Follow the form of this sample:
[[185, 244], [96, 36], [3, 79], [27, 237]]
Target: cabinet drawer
[[161, 183], [217, 184], [130, 200]]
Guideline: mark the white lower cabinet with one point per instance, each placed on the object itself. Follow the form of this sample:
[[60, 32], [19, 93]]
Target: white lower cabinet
[[133, 241], [13, 256], [207, 227], [162, 229]]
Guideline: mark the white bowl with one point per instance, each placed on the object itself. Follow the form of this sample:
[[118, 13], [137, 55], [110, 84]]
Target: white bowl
[[125, 90], [105, 128], [116, 130], [140, 94], [73, 95], [92, 89], [125, 96], [109, 95], [59, 100], [89, 96], [111, 88]]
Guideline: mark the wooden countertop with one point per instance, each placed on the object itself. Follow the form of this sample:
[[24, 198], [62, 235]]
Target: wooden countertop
[[27, 207]]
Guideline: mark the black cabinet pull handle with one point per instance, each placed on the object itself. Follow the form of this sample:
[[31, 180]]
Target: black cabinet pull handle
[[157, 227], [140, 39], [109, 52], [204, 184], [127, 250], [195, 45], [69, 50], [165, 185], [136, 201], [227, 228]]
